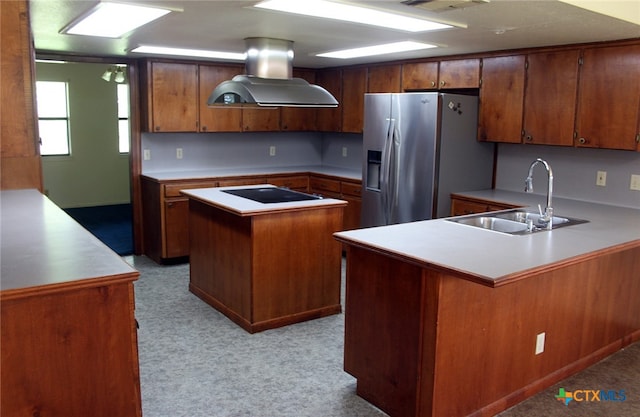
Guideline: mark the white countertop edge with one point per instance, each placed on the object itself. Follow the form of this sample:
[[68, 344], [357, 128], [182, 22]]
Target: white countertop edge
[[245, 207], [353, 174]]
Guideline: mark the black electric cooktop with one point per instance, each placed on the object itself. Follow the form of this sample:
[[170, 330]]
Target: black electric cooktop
[[271, 194]]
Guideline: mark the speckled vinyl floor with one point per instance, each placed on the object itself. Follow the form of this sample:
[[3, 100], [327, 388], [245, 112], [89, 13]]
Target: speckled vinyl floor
[[194, 362]]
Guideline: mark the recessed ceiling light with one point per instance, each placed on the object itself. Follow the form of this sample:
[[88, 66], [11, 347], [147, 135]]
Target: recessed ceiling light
[[349, 13], [202, 53], [388, 48], [112, 20]]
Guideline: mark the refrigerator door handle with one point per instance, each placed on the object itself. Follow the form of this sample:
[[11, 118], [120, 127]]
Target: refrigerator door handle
[[384, 171], [386, 181], [394, 177]]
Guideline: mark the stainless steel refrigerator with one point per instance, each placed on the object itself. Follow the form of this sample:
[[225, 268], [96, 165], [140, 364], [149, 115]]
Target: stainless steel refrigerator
[[418, 148]]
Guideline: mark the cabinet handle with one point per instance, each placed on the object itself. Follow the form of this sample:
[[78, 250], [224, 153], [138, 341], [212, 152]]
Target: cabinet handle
[[433, 83], [204, 128], [529, 138], [582, 141], [442, 83]]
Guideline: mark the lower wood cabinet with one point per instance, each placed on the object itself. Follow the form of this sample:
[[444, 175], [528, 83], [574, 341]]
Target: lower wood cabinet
[[166, 210], [462, 205]]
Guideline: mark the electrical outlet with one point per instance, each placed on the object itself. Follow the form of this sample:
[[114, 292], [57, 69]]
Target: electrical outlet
[[601, 179], [178, 153], [635, 182], [147, 154], [272, 151], [344, 151], [540, 343]]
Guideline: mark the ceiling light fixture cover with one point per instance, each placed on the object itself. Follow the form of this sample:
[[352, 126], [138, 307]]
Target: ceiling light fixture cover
[[268, 82], [112, 20], [388, 48]]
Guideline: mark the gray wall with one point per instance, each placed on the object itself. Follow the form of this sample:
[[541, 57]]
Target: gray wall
[[574, 171], [95, 173]]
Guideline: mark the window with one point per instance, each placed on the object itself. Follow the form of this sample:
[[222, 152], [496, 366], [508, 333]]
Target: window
[[123, 118], [53, 117]]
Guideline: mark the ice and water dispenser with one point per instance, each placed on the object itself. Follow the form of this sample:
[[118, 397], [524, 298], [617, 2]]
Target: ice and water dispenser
[[374, 159]]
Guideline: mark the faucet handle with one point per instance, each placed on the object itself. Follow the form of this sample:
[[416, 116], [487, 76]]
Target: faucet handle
[[540, 210]]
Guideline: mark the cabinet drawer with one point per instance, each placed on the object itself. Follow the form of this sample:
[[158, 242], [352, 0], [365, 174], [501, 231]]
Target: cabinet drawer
[[230, 182], [298, 182], [324, 184], [351, 188], [173, 190]]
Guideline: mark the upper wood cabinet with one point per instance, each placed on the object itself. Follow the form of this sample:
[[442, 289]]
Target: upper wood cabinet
[[419, 76], [330, 120], [20, 165], [354, 86], [385, 79], [172, 97], [217, 119], [501, 99], [459, 73], [607, 98], [299, 118], [549, 103]]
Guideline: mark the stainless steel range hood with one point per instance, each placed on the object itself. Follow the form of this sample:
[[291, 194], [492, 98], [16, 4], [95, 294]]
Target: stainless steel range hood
[[269, 81]]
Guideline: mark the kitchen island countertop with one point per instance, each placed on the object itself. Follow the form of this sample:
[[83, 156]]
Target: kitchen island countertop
[[494, 258]]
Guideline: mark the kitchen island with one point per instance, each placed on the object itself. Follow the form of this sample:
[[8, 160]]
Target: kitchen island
[[468, 321], [68, 334], [264, 265]]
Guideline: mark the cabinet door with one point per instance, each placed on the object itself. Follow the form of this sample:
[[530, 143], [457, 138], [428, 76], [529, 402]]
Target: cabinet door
[[354, 84], [607, 96], [330, 120], [459, 73], [501, 99], [217, 119], [265, 119], [174, 97], [176, 222], [299, 118], [384, 79], [550, 98], [420, 76]]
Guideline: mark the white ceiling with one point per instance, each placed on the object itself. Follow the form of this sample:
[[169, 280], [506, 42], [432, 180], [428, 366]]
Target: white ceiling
[[223, 25]]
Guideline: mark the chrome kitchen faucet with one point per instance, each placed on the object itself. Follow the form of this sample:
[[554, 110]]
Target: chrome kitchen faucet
[[547, 216]]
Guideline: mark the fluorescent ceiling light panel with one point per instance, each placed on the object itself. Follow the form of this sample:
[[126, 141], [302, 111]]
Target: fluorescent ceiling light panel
[[388, 48], [112, 20], [161, 50], [349, 13]]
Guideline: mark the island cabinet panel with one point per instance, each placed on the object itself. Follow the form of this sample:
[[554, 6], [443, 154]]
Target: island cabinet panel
[[550, 98], [434, 335], [502, 99], [263, 271], [608, 96]]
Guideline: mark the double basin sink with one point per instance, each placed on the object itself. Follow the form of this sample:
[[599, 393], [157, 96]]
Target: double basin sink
[[514, 222]]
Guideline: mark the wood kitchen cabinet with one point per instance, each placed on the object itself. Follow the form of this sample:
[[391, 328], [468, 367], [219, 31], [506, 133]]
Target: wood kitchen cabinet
[[330, 120], [420, 76], [265, 119], [463, 205], [459, 73], [608, 94], [502, 99], [299, 118], [348, 190], [217, 119], [170, 97], [549, 102], [354, 86], [293, 182], [20, 150], [385, 79]]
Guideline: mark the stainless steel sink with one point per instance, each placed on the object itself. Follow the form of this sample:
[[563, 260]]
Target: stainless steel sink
[[515, 222]]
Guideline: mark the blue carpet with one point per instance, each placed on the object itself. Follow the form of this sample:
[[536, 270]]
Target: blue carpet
[[111, 224]]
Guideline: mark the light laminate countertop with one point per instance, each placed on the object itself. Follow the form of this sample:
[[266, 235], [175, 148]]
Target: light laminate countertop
[[43, 248], [231, 172], [494, 258], [245, 207]]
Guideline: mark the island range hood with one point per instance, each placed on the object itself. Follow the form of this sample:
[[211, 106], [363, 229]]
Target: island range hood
[[269, 81]]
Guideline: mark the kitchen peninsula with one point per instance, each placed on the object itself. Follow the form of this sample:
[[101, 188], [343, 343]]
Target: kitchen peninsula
[[470, 321], [264, 264]]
